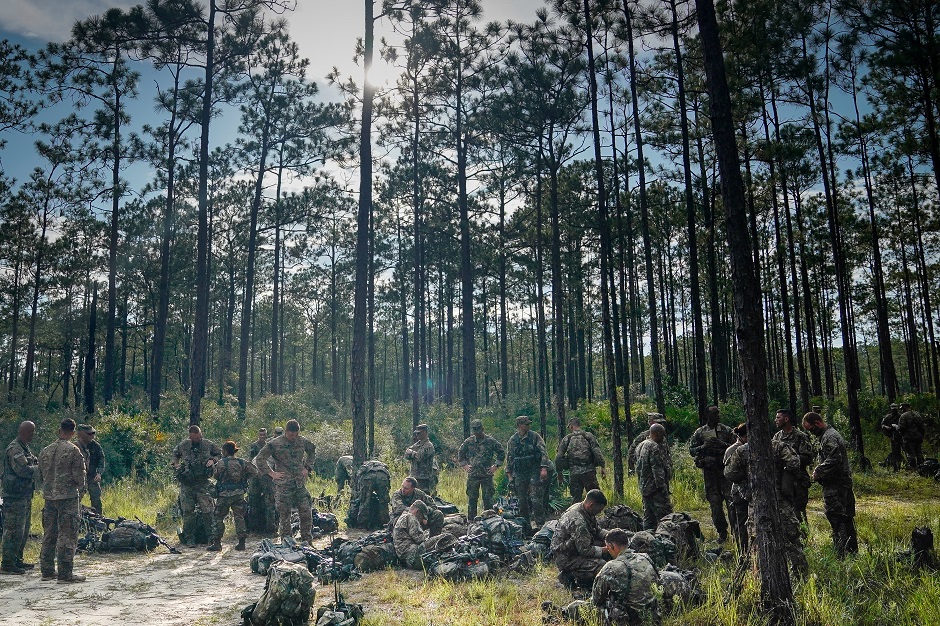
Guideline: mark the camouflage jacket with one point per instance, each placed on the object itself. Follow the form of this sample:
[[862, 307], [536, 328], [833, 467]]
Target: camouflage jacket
[[579, 452], [623, 589], [255, 448], [707, 445], [480, 454], [94, 457], [643, 436], [408, 534], [526, 454], [401, 503], [911, 426], [421, 455], [576, 534], [834, 468], [290, 457], [785, 460], [888, 423], [191, 458], [343, 473], [653, 467], [231, 476], [739, 490], [61, 470], [19, 467], [800, 443]]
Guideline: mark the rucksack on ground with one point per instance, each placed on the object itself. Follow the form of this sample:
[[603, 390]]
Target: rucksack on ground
[[287, 598], [685, 532], [621, 516], [129, 536]]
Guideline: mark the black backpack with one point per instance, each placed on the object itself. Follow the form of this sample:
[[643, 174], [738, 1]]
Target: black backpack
[[129, 536]]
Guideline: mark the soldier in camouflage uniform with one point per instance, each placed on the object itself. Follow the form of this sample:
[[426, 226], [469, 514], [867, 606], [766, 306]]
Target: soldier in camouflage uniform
[[577, 543], [651, 418], [421, 455], [889, 427], [739, 492], [480, 456], [623, 589], [408, 495], [344, 472], [19, 466], [707, 446], [654, 472], [62, 474], [580, 454], [527, 470], [293, 457], [410, 536], [231, 483], [261, 490], [795, 483], [94, 462], [834, 473], [193, 459], [911, 429]]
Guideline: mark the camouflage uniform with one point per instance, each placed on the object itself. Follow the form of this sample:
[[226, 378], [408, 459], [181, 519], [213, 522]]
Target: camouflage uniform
[[631, 453], [261, 495], [62, 474], [421, 455], [19, 466], [94, 466], [796, 482], [526, 458], [401, 503], [480, 455], [409, 539], [580, 453], [653, 472], [834, 473], [193, 477], [292, 458], [577, 543], [344, 472], [888, 423], [231, 482], [369, 508], [707, 447], [739, 501], [911, 430], [623, 590]]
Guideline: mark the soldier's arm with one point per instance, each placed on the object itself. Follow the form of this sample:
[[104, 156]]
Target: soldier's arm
[[177, 455], [261, 461], [736, 469], [601, 589], [79, 474], [311, 449], [499, 454], [462, 453], [583, 541], [215, 452], [695, 443], [510, 455], [540, 446], [831, 454], [596, 452], [562, 451], [250, 469], [398, 507], [20, 463]]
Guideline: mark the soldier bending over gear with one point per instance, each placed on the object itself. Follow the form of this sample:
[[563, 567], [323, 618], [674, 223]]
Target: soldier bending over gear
[[623, 589], [410, 536], [408, 495], [578, 541]]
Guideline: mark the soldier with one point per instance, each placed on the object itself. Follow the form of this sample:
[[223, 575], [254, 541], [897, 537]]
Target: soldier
[[193, 459], [651, 418], [739, 492], [889, 426], [578, 541], [707, 446], [408, 495], [834, 473], [19, 467], [260, 491], [293, 457], [796, 483], [231, 482], [527, 470], [623, 589], [421, 455], [369, 508], [94, 462], [344, 472], [410, 537], [911, 429], [654, 472], [62, 475], [580, 454], [480, 456]]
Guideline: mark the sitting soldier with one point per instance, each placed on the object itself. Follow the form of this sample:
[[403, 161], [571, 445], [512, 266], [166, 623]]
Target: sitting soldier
[[408, 495], [410, 537], [578, 541], [623, 589]]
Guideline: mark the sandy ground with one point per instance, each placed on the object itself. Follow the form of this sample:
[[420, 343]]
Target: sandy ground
[[196, 587]]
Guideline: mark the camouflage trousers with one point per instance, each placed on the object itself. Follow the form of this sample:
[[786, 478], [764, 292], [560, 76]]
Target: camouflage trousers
[[476, 484], [94, 495], [261, 503], [60, 521], [655, 506], [530, 489], [224, 504], [739, 529], [581, 483], [17, 516], [717, 492], [287, 498], [190, 496], [914, 451], [844, 536], [580, 568], [410, 556]]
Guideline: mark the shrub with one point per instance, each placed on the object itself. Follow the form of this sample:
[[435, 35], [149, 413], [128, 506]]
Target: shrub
[[134, 445]]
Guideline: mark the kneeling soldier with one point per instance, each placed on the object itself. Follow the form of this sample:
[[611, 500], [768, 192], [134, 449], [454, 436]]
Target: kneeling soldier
[[231, 483], [410, 537], [623, 589]]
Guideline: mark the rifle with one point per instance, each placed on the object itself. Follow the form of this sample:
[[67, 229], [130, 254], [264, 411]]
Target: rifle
[[160, 540], [340, 613]]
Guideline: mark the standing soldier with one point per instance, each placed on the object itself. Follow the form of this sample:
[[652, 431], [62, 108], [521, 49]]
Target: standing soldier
[[707, 446], [62, 474], [623, 590], [889, 426], [580, 454], [527, 470], [578, 541], [654, 472], [293, 457], [651, 418], [795, 482], [834, 473], [480, 455], [911, 429], [260, 491], [231, 482], [94, 462], [19, 466], [193, 459], [421, 455], [740, 491]]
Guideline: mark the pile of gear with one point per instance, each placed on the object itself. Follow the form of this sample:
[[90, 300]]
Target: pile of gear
[[104, 534]]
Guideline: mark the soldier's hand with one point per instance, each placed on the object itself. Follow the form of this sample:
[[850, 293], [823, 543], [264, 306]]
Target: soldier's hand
[[306, 472], [97, 478], [603, 473], [277, 475], [491, 471], [544, 473], [210, 463]]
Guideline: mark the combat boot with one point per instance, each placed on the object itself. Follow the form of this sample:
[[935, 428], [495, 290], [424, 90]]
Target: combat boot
[[215, 546], [66, 575], [26, 565], [12, 569], [241, 544], [48, 570]]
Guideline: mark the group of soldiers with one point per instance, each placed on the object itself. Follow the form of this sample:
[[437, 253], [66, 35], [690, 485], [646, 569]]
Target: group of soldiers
[[905, 428]]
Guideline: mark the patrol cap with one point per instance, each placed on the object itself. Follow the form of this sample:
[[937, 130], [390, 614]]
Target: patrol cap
[[523, 419], [894, 405], [476, 425], [279, 430], [574, 420], [421, 506], [656, 417], [905, 404], [421, 427], [85, 428]]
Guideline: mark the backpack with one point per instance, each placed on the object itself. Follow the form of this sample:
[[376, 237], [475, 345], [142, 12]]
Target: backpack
[[129, 536], [370, 507], [579, 450], [287, 598], [540, 546], [375, 557], [499, 535], [661, 550], [621, 516], [679, 587], [269, 553], [685, 532]]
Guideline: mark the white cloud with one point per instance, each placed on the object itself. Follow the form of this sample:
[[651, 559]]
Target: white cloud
[[51, 20]]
